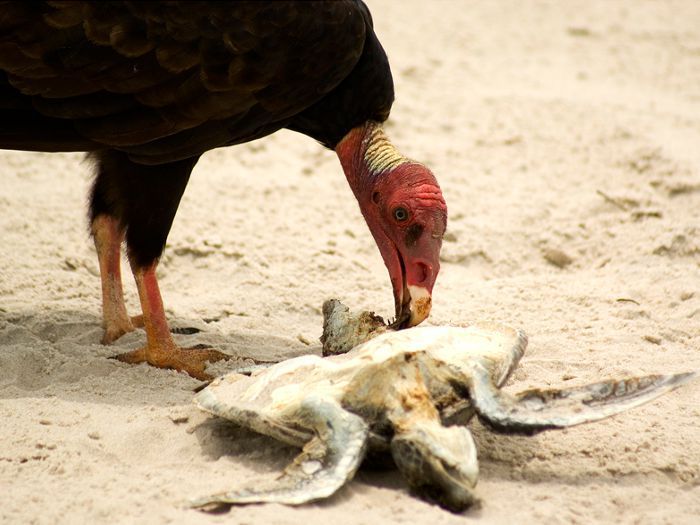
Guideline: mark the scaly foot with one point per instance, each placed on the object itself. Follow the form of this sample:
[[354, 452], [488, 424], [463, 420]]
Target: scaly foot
[[114, 329], [192, 361]]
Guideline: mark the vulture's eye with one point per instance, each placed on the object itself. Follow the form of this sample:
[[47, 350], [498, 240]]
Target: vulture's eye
[[400, 214]]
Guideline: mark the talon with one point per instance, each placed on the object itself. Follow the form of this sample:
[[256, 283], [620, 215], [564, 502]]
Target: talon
[[113, 333]]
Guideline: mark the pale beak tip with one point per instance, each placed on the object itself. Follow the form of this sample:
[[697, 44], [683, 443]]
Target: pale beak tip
[[420, 305]]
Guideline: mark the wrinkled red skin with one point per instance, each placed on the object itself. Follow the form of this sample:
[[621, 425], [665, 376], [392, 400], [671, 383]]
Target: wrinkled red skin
[[410, 247]]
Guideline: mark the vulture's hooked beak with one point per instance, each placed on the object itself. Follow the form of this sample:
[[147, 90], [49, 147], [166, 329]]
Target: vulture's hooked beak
[[413, 272]]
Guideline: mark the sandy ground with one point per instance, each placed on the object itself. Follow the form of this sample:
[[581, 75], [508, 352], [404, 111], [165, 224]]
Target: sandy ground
[[569, 126]]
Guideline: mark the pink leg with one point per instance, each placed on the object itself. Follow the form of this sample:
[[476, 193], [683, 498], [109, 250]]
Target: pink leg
[[108, 238], [160, 350]]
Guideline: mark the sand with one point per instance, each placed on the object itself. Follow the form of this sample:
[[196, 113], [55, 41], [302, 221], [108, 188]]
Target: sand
[[565, 137]]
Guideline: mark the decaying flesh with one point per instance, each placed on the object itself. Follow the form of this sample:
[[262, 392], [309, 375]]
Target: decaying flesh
[[344, 330], [407, 394]]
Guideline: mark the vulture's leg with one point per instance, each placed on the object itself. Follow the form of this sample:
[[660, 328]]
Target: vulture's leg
[[108, 236], [143, 200], [160, 350], [108, 233]]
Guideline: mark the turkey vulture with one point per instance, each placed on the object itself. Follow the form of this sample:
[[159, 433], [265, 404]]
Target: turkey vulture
[[147, 87]]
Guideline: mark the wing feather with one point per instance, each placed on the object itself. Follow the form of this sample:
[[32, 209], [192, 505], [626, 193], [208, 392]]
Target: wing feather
[[131, 73]]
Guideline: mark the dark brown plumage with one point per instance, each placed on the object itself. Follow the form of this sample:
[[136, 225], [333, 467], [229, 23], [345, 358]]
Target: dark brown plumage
[[147, 87], [163, 81]]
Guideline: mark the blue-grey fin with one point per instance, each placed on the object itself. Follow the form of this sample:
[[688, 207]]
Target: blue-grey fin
[[325, 464], [536, 410]]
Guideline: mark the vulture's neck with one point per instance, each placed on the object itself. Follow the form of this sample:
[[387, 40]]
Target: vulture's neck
[[365, 154]]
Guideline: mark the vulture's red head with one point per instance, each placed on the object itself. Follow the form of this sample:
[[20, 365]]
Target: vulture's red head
[[405, 211]]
